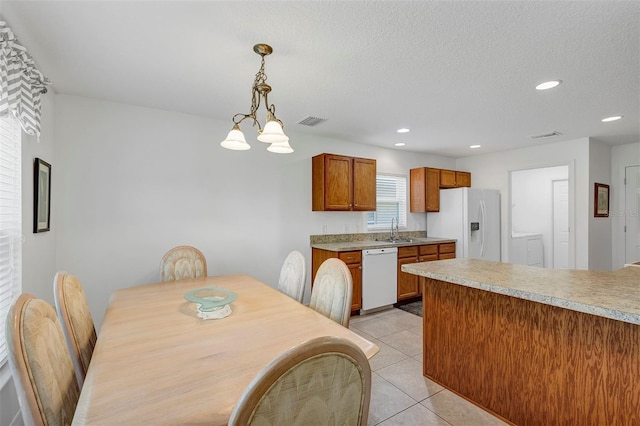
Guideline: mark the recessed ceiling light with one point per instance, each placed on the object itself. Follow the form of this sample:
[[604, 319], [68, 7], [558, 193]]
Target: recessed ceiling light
[[548, 84], [400, 144], [475, 146], [403, 130], [614, 118]]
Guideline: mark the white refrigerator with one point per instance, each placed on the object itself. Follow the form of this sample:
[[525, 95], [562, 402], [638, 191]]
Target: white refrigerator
[[472, 217]]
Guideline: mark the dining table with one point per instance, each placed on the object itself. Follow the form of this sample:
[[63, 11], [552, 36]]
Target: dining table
[[156, 362]]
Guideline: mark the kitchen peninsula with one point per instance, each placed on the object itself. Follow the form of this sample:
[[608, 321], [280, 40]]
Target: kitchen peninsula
[[534, 345]]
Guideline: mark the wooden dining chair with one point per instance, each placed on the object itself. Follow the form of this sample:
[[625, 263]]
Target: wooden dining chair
[[292, 276], [182, 262], [332, 291], [76, 321], [40, 363], [326, 380]]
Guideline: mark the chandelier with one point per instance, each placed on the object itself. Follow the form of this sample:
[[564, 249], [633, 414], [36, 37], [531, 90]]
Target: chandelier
[[272, 132]]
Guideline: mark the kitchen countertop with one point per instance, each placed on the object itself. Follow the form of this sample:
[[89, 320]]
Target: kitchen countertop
[[373, 244], [609, 294]]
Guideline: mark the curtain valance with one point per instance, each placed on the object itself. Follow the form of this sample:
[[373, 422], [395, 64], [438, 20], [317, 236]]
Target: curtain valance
[[21, 83]]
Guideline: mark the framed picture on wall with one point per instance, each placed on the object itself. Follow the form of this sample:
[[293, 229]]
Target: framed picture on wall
[[601, 200], [41, 195]]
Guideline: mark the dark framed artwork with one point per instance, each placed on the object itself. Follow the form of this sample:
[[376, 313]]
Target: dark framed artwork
[[41, 195], [601, 200]]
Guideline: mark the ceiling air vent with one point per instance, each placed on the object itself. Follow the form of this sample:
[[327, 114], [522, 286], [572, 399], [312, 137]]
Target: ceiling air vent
[[311, 121], [545, 135]]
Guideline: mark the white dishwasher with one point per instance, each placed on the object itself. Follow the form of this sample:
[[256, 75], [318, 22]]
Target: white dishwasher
[[379, 278]]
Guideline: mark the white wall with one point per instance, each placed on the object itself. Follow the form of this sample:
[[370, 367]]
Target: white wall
[[133, 182], [600, 228], [532, 203], [491, 171], [621, 156], [38, 250], [129, 183]]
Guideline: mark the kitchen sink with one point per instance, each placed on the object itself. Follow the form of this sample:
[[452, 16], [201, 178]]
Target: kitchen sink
[[397, 241]]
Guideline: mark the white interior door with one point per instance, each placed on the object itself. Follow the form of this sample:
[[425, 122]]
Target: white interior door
[[632, 214], [560, 256]]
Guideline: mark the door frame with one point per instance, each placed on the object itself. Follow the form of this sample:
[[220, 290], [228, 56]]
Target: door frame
[[572, 220]]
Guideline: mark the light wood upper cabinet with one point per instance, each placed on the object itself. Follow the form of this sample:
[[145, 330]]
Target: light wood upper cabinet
[[424, 188], [343, 183], [364, 184], [447, 178], [463, 179], [454, 179]]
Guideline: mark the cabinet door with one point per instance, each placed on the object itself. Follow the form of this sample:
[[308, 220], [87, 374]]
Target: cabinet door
[[463, 179], [356, 276], [364, 184], [428, 249], [447, 251], [433, 190], [338, 183], [447, 179], [417, 190], [424, 190], [353, 259], [408, 284]]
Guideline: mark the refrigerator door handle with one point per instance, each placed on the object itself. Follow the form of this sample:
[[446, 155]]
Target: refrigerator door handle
[[483, 217]]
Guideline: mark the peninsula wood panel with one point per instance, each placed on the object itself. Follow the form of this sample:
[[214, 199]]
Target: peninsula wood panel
[[528, 362]]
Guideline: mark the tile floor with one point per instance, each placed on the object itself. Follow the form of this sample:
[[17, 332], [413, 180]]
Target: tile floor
[[400, 395]]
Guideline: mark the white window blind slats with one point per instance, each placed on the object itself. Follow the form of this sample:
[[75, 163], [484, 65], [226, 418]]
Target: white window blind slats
[[391, 200], [10, 221]]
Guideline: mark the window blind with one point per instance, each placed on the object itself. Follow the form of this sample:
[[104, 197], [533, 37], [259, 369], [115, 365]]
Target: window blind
[[391, 200], [10, 221]]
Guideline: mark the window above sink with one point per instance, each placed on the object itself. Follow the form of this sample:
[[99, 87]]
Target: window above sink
[[391, 202]]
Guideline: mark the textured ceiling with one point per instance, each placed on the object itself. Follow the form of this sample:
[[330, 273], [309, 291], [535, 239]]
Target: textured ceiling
[[455, 73]]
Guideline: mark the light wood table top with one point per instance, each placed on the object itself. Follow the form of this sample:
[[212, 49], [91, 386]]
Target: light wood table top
[[156, 363]]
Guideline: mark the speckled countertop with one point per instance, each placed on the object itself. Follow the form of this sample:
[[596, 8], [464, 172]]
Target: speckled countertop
[[609, 294], [374, 244]]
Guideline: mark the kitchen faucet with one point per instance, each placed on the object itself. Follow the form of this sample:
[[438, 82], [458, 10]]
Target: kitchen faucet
[[393, 237]]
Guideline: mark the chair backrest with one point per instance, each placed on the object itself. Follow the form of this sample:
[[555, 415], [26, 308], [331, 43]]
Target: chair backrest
[[40, 363], [76, 321], [293, 275], [326, 380], [183, 262], [332, 291]]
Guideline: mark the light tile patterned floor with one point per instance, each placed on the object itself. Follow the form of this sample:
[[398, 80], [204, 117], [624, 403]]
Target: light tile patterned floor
[[400, 395]]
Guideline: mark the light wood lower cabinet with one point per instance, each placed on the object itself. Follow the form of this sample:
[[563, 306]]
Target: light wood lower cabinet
[[353, 260], [409, 284], [446, 251]]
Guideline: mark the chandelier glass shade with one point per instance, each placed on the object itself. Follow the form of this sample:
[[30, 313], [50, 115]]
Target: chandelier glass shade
[[272, 132]]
